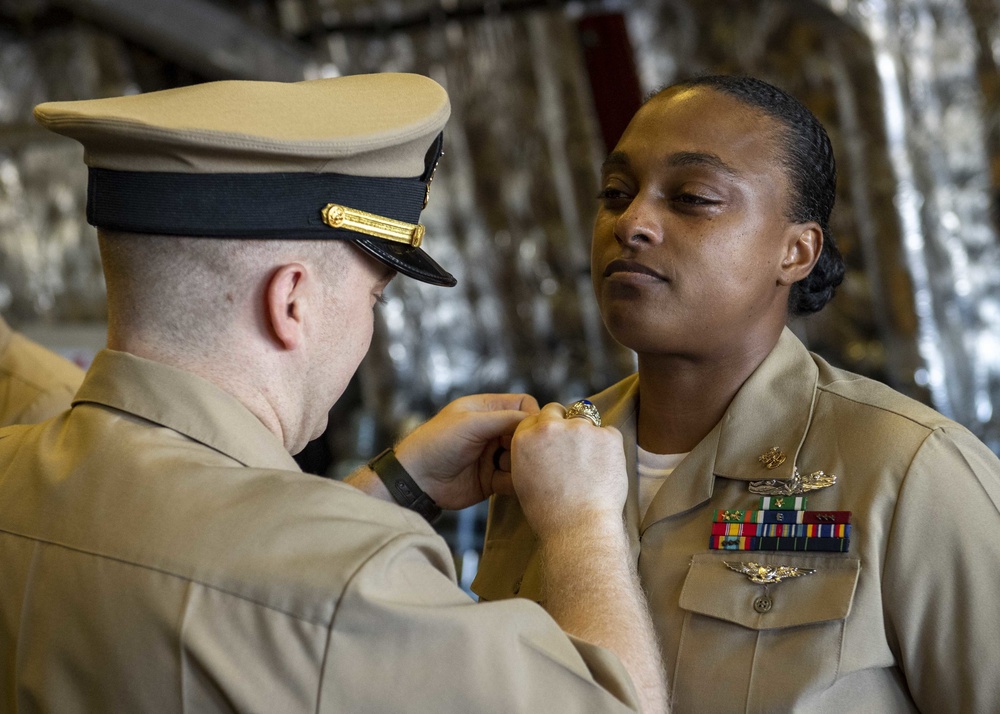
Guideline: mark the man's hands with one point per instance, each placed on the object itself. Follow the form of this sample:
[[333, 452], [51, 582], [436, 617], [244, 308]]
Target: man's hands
[[563, 471], [450, 456], [570, 478], [567, 470], [572, 483]]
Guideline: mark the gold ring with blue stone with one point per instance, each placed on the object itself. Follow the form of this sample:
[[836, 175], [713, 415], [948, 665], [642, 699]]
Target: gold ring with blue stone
[[584, 409]]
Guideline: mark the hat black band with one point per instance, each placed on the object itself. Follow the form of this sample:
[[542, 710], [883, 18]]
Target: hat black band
[[243, 205]]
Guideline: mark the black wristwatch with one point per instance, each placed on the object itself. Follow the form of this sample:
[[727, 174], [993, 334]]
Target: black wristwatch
[[401, 485]]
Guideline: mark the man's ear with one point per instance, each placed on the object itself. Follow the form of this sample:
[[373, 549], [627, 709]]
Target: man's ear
[[285, 306], [803, 244]]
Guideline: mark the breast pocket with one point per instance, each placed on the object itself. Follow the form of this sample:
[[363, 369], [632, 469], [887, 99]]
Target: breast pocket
[[747, 646]]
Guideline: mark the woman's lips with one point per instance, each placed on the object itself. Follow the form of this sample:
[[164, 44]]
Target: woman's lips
[[630, 268]]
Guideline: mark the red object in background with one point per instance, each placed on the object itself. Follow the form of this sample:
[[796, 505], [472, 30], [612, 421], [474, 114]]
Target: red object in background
[[614, 82]]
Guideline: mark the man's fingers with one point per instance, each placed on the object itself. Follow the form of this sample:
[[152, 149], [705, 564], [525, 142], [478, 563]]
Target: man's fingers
[[497, 402], [554, 410], [486, 426], [501, 458], [502, 484]]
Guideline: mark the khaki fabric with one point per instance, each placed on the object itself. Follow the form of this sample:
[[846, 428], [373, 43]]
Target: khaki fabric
[[161, 552], [35, 384], [908, 620], [360, 125]]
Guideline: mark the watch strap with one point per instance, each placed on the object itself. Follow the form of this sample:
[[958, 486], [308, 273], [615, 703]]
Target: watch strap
[[402, 487]]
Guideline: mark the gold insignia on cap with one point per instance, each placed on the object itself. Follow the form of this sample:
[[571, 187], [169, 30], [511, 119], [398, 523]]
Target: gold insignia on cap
[[337, 216], [796, 485], [427, 191], [758, 573], [772, 458]]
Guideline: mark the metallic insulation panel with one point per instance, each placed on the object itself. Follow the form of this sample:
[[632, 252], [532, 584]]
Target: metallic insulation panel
[[927, 58], [217, 42]]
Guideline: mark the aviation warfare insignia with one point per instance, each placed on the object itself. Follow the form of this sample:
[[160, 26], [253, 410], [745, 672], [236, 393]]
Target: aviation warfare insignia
[[767, 574]]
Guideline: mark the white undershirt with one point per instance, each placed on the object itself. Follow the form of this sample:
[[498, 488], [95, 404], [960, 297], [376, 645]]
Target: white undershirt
[[653, 471]]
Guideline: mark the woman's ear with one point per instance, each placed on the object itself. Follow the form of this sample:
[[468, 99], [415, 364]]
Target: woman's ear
[[285, 308], [803, 245]]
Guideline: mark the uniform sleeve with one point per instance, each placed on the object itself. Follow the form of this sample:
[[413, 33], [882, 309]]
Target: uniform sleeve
[[406, 638], [940, 587]]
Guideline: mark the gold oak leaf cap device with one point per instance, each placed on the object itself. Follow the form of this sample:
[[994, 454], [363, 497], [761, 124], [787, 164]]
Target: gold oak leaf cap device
[[348, 158]]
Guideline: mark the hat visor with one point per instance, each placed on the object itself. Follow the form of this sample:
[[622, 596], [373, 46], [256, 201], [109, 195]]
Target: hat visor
[[409, 261]]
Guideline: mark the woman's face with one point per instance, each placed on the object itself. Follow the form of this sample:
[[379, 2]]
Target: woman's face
[[691, 234]]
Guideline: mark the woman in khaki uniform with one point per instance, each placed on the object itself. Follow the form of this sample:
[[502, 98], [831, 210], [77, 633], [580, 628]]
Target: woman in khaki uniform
[[712, 228]]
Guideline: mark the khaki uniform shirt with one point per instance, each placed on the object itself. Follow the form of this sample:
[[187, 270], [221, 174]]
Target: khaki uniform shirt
[[908, 619], [161, 552], [35, 384]]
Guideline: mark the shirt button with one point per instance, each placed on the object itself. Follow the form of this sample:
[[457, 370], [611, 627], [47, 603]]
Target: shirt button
[[762, 604]]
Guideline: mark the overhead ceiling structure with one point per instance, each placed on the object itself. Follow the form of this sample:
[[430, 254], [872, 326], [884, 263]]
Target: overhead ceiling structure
[[215, 39], [203, 36]]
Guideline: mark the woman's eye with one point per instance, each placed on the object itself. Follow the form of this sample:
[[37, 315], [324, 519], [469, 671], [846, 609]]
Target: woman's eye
[[609, 194], [381, 299], [694, 199]]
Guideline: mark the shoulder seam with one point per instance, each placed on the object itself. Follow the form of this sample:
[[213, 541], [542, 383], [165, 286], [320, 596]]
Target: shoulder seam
[[824, 388]]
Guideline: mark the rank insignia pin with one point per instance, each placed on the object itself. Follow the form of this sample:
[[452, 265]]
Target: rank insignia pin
[[772, 458], [767, 574]]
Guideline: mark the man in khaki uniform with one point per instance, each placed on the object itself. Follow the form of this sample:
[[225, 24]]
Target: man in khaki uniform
[[159, 549], [712, 227], [35, 383]]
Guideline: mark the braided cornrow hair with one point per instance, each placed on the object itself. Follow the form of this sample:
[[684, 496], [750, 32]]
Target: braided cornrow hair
[[812, 173]]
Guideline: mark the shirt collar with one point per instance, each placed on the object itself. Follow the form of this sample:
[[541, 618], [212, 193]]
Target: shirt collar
[[186, 403], [772, 409]]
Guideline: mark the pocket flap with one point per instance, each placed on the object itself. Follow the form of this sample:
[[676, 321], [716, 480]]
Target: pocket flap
[[712, 589]]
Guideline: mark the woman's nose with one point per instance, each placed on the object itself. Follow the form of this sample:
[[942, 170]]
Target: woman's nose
[[638, 224]]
